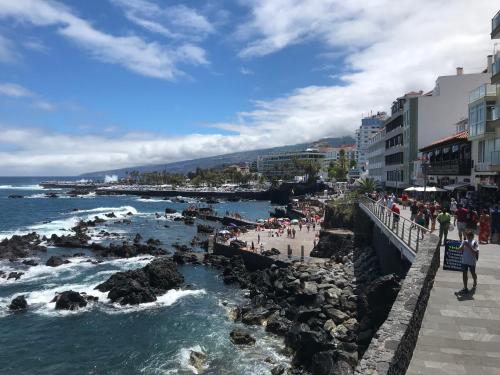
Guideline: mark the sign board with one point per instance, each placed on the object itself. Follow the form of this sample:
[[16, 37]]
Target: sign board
[[452, 256]]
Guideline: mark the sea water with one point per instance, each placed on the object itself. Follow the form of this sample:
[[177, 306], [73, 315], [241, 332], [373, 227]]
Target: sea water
[[106, 338]]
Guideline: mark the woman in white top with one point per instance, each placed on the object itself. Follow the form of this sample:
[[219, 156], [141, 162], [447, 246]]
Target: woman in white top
[[470, 255], [453, 209]]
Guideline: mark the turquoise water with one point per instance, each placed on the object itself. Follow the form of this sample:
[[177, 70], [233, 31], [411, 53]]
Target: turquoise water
[[104, 338]]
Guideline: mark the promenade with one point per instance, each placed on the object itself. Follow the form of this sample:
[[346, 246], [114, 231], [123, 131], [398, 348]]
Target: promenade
[[461, 334], [281, 243]]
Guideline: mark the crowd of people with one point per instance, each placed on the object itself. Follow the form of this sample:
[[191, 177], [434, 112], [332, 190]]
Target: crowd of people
[[468, 220], [448, 215]]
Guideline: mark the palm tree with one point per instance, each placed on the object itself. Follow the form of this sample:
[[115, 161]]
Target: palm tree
[[367, 185]]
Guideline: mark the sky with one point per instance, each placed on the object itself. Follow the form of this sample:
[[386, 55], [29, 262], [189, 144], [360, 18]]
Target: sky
[[102, 84]]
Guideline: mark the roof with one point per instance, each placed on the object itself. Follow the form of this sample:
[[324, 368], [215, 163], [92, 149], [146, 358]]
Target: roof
[[462, 136]]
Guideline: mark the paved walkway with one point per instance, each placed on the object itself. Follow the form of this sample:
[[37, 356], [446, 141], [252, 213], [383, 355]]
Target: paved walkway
[[281, 243], [461, 335]]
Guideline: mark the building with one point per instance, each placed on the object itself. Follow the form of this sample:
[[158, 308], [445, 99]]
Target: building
[[332, 154], [448, 161], [394, 171], [370, 126], [484, 126], [430, 117], [376, 157], [287, 165]]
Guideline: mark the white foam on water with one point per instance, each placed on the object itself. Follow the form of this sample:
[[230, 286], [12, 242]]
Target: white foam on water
[[184, 355], [23, 187], [116, 210], [152, 200]]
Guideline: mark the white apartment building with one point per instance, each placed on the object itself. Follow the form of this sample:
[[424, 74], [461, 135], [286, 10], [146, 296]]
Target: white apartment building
[[431, 116], [484, 125], [376, 156], [370, 126]]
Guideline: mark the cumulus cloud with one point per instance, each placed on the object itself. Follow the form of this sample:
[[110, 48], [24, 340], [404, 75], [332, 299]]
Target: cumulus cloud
[[150, 59], [7, 54], [387, 50]]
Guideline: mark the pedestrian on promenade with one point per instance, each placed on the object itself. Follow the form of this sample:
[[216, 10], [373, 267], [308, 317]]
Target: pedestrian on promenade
[[470, 255], [404, 200], [258, 238], [453, 209], [420, 220], [472, 219], [253, 247], [300, 226], [293, 232], [495, 224], [461, 216], [444, 220], [395, 215], [261, 248], [314, 225], [413, 210], [308, 227], [484, 227]]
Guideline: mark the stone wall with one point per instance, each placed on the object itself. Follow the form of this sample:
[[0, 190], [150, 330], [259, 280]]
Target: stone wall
[[252, 261], [391, 348]]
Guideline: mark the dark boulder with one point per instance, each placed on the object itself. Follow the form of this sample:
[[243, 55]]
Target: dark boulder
[[15, 196], [307, 342], [278, 325], [170, 211], [55, 261], [30, 262], [144, 284], [255, 316], [205, 229], [15, 275], [329, 363], [70, 300], [19, 303], [239, 337]]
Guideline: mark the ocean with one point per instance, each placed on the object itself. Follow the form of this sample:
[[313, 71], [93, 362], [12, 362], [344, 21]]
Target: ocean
[[105, 338]]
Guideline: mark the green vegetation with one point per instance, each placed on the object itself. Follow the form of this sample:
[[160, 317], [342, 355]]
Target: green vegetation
[[200, 177], [367, 185]]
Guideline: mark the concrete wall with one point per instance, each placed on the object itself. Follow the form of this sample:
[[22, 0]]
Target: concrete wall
[[391, 348], [389, 257]]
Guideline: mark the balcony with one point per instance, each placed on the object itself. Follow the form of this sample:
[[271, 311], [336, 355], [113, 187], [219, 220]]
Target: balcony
[[492, 165], [450, 167], [495, 68], [495, 26], [483, 91]]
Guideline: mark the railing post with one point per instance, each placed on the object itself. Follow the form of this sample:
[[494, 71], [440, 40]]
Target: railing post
[[418, 239]]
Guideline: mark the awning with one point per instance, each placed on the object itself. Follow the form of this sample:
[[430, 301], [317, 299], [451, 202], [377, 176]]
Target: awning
[[456, 186], [410, 189], [428, 189]]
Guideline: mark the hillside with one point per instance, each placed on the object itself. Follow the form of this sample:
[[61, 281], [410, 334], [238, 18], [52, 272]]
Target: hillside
[[218, 160]]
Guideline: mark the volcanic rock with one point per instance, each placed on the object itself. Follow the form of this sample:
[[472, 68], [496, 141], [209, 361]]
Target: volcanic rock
[[239, 337], [18, 303]]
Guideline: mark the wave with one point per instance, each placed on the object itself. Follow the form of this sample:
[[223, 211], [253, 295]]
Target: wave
[[121, 209], [183, 358], [21, 187], [152, 200]]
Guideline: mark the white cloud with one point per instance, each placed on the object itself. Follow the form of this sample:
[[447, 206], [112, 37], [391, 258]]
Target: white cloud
[[7, 54], [44, 105], [389, 49], [246, 71], [14, 90], [132, 52], [176, 21]]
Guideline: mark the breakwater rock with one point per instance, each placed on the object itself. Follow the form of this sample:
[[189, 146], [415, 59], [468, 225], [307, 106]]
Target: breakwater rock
[[326, 311], [21, 246], [144, 284]]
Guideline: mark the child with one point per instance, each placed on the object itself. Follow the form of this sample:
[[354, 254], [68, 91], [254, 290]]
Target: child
[[470, 255]]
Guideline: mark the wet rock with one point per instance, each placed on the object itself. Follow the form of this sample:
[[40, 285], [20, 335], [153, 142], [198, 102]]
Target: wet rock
[[197, 360], [255, 316], [15, 275], [271, 252], [329, 363], [70, 300], [16, 196], [239, 337], [336, 315], [307, 342], [19, 303], [144, 284], [110, 215], [20, 246], [205, 229], [170, 211], [55, 261], [278, 325]]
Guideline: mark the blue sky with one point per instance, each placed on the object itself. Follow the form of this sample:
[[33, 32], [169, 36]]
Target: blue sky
[[92, 85]]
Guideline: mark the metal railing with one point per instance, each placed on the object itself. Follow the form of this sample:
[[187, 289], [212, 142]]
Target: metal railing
[[406, 231]]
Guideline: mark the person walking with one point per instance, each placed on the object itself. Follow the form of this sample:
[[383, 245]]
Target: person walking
[[258, 238], [444, 220], [470, 255], [413, 210], [484, 227], [495, 224], [420, 220], [461, 216], [404, 200], [395, 215], [453, 210]]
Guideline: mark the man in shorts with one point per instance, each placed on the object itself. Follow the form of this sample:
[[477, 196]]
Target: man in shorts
[[461, 216], [470, 255]]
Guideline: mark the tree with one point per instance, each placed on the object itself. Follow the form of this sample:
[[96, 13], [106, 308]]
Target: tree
[[366, 185], [352, 163]]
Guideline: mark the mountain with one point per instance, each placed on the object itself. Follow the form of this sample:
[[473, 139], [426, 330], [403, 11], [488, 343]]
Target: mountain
[[219, 160]]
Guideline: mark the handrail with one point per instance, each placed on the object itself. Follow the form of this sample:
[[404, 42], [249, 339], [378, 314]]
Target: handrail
[[407, 231]]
